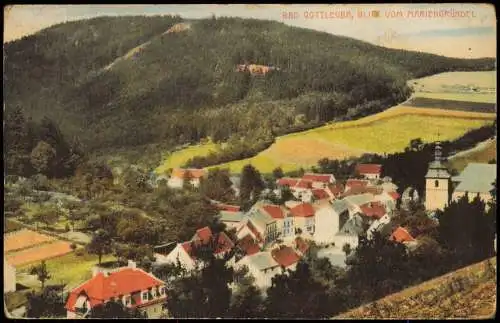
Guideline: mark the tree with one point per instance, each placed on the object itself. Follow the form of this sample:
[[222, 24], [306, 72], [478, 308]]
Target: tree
[[295, 294], [278, 173], [251, 185], [100, 244], [47, 303], [246, 299], [218, 186], [41, 272], [114, 310], [466, 230], [43, 157], [47, 215]]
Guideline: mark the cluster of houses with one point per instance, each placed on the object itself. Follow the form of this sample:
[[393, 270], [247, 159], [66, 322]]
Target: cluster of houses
[[269, 237]]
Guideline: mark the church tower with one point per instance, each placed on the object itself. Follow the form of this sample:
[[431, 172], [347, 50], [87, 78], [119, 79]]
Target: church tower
[[437, 183]]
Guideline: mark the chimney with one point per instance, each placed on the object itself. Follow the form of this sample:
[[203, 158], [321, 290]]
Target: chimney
[[132, 264]]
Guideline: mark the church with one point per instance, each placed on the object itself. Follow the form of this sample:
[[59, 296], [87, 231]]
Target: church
[[441, 187]]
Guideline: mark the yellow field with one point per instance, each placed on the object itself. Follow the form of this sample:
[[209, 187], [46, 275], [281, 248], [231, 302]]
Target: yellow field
[[386, 132], [457, 86], [178, 158]]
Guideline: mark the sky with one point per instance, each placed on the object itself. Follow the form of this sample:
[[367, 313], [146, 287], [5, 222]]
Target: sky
[[471, 35]]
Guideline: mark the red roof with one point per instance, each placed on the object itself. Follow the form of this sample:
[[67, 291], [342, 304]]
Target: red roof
[[205, 236], [303, 210], [285, 256], [394, 195], [274, 211], [401, 235], [287, 181], [368, 169], [324, 178], [227, 207], [102, 288], [361, 190], [336, 189], [320, 194], [375, 210], [248, 245], [356, 183], [303, 183], [301, 245], [192, 172]]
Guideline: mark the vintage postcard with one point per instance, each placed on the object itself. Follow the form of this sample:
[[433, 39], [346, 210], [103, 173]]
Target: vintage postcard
[[240, 161]]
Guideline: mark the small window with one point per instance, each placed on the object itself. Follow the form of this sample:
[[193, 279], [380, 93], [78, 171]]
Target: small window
[[162, 291], [436, 183], [145, 296]]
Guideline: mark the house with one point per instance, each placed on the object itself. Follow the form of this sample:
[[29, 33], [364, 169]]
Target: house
[[355, 183], [303, 190], [303, 215], [278, 213], [319, 180], [248, 245], [350, 231], [266, 225], [354, 202], [388, 200], [475, 179], [132, 286], [183, 252], [286, 257], [373, 210], [287, 181], [327, 220], [231, 219], [378, 225], [9, 277], [262, 267], [179, 175], [369, 171], [401, 235]]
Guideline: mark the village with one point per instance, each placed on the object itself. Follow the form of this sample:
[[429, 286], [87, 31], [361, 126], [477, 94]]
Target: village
[[269, 238]]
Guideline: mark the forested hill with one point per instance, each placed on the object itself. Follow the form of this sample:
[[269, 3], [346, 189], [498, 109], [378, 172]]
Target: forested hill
[[183, 86]]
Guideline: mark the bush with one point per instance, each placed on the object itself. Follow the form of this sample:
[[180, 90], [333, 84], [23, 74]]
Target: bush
[[79, 252], [66, 227]]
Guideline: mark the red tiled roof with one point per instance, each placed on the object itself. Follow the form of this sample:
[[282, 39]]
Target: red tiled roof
[[324, 178], [204, 234], [368, 169], [375, 210], [304, 184], [320, 194], [336, 189], [301, 245], [356, 183], [394, 195], [101, 288], [401, 235], [356, 190], [227, 207], [287, 181], [285, 256], [274, 211], [248, 245], [192, 172], [303, 210]]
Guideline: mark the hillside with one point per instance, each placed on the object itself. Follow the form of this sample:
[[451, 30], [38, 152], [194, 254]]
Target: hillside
[[469, 292], [122, 82]]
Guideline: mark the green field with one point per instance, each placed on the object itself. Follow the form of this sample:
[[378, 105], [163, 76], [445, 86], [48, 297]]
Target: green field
[[178, 158], [69, 269], [459, 86], [386, 132]]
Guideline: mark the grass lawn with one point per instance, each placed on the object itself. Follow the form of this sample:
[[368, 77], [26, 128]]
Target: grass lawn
[[69, 269], [468, 97]]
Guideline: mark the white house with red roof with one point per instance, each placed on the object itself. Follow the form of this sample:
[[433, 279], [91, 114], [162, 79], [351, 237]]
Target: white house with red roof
[[132, 286], [303, 215], [262, 267], [319, 180], [369, 171], [286, 257], [327, 220], [179, 175], [311, 186], [183, 252]]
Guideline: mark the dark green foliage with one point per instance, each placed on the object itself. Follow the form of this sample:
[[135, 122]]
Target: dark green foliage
[[251, 186], [467, 231], [183, 87], [100, 244], [41, 273], [114, 310], [218, 186], [47, 303]]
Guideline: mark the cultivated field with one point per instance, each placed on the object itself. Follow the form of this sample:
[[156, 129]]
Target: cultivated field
[[482, 153], [39, 253], [23, 239], [469, 292], [386, 132], [458, 86], [69, 269]]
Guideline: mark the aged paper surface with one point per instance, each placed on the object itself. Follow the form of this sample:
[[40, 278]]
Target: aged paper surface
[[250, 161]]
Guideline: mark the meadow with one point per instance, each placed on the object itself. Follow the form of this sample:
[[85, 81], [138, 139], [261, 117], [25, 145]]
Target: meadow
[[482, 154], [179, 157]]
